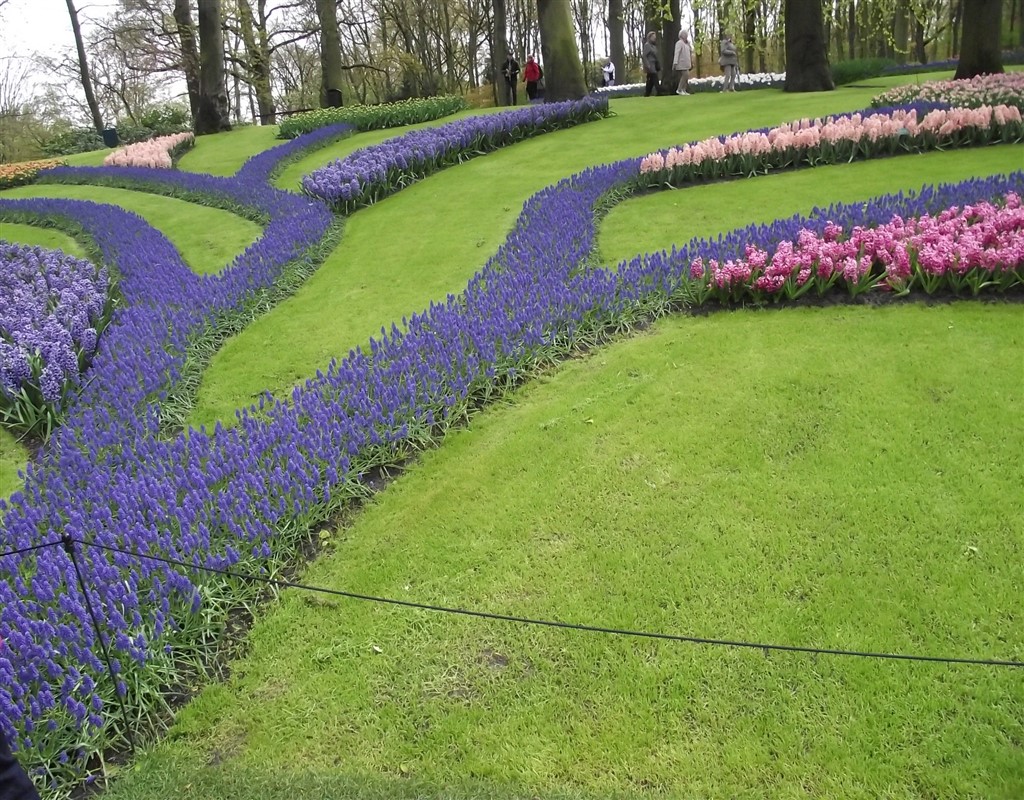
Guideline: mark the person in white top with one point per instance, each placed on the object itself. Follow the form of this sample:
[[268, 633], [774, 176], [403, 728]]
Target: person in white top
[[608, 72], [682, 62]]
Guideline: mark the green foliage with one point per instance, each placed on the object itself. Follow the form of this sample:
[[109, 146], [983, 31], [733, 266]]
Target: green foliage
[[858, 69], [76, 140], [166, 118], [159, 120], [368, 118]]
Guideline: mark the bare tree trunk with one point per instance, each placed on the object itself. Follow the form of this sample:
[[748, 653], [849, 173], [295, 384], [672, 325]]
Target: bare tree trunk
[[807, 67], [500, 53], [189, 52], [980, 54], [901, 31], [257, 62], [749, 34], [563, 72], [669, 36], [616, 50], [851, 30], [331, 72], [213, 115], [955, 12], [919, 41], [83, 68]]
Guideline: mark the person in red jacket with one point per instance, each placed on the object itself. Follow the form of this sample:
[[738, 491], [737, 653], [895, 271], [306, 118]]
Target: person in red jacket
[[532, 75]]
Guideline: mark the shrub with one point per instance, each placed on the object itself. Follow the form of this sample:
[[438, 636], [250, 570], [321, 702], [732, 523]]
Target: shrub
[[76, 140], [368, 118], [859, 68]]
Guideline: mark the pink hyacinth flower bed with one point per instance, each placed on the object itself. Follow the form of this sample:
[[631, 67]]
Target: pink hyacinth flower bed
[[982, 90], [963, 250], [832, 140], [157, 153]]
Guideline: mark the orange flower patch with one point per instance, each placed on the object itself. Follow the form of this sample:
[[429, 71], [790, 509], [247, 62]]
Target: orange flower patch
[[23, 172]]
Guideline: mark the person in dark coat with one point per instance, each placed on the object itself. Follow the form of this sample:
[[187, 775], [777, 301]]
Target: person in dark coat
[[651, 65], [510, 69], [14, 783]]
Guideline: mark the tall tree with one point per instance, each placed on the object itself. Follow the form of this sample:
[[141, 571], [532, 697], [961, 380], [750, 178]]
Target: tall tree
[[807, 67], [253, 31], [499, 53], [670, 27], [83, 68], [331, 71], [213, 97], [979, 49], [189, 52], [563, 72], [616, 51]]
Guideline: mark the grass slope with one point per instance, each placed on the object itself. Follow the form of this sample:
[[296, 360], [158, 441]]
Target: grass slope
[[811, 476], [428, 240], [658, 220], [36, 236], [815, 476], [13, 458], [207, 238]]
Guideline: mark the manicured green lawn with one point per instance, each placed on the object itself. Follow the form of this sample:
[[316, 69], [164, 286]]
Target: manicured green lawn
[[658, 220], [842, 477], [207, 238], [13, 457], [817, 476], [426, 242], [36, 236], [224, 153]]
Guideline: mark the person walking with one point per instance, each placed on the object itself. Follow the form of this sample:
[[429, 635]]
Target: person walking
[[729, 62], [608, 73], [510, 69], [651, 65], [682, 62], [532, 74]]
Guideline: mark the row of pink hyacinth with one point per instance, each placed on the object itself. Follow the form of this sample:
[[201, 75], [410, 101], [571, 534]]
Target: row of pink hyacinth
[[812, 133], [970, 248], [1001, 89], [157, 153]]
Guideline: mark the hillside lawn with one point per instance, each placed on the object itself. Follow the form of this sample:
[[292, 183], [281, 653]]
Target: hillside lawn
[[845, 477]]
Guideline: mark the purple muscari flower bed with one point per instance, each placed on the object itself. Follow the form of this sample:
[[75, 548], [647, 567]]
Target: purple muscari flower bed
[[235, 496], [265, 165], [54, 308], [376, 171]]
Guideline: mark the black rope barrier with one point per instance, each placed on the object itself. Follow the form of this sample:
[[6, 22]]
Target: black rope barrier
[[68, 542], [765, 647], [23, 550], [69, 546]]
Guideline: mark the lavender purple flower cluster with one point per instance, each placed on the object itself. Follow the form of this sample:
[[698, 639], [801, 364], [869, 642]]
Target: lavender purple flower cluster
[[110, 475], [374, 172], [265, 165], [240, 496], [54, 308]]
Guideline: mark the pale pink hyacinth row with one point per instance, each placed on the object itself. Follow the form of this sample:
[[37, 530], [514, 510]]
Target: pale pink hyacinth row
[[155, 153], [807, 134], [973, 248], [1005, 88]]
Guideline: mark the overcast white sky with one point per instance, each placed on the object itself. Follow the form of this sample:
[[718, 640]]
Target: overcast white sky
[[43, 26]]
